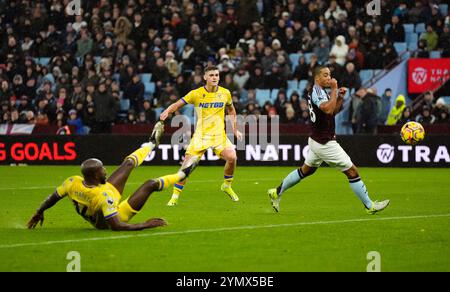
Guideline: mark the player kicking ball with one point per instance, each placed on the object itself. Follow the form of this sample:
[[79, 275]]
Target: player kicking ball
[[97, 199], [322, 143], [210, 103]]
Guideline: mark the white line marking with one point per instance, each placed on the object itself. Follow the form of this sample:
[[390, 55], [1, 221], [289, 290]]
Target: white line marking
[[220, 230]]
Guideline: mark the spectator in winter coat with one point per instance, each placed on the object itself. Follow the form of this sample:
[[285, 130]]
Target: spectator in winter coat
[[340, 50], [396, 111]]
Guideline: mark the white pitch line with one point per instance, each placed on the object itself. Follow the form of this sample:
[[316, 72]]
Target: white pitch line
[[220, 230]]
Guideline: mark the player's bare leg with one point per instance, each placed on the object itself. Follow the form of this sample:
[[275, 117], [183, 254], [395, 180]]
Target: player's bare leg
[[291, 180], [179, 185], [120, 176], [136, 201], [229, 155], [359, 188]]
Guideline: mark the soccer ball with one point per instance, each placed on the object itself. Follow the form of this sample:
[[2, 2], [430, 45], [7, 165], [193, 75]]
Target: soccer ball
[[412, 133]]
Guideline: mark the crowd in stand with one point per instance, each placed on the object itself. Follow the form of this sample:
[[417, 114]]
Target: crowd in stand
[[97, 59]]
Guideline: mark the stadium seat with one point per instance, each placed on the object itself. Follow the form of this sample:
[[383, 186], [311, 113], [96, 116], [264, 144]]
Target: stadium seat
[[409, 27], [411, 37], [149, 88], [400, 47], [292, 84], [420, 28], [302, 86], [444, 9], [435, 54], [158, 111], [188, 110], [43, 61], [262, 95], [366, 75], [387, 27], [80, 60], [446, 99], [244, 96], [124, 104], [146, 77], [289, 92], [273, 95], [406, 55], [180, 45], [412, 46], [97, 59], [308, 57], [294, 60]]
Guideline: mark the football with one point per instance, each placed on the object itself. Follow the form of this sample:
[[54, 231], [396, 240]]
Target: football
[[412, 133]]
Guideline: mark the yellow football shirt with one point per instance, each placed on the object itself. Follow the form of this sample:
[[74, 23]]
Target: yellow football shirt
[[93, 203], [210, 110]]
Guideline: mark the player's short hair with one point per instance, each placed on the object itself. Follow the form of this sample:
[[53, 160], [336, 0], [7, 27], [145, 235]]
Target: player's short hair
[[319, 69], [90, 166], [210, 68]]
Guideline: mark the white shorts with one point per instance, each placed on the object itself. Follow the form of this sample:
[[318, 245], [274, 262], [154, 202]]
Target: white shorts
[[330, 153]]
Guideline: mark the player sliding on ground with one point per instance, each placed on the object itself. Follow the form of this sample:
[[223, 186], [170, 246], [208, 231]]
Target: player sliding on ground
[[322, 143], [210, 102], [97, 199]]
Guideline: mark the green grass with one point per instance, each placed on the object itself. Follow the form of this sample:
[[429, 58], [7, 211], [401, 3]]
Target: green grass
[[316, 230]]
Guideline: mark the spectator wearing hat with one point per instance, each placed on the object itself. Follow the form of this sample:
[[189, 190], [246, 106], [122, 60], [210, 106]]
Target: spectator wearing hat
[[257, 79], [441, 112], [426, 117], [340, 50], [172, 65], [385, 106], [75, 121], [439, 107]]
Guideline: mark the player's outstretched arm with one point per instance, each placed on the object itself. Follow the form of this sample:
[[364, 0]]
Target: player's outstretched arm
[[117, 225], [38, 217], [171, 109], [231, 111]]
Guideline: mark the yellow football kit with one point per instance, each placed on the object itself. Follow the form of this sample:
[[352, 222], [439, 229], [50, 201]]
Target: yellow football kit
[[210, 127], [95, 204]]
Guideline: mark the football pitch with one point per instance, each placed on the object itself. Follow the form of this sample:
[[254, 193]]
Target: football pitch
[[322, 225]]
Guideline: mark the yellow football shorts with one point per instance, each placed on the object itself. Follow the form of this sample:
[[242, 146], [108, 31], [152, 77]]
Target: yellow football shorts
[[199, 145]]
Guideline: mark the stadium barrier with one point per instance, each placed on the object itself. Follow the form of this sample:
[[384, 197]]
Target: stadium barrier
[[371, 151]]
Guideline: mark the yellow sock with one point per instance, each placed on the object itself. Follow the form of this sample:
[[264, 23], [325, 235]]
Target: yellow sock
[[139, 155], [170, 180], [228, 180], [178, 188]]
